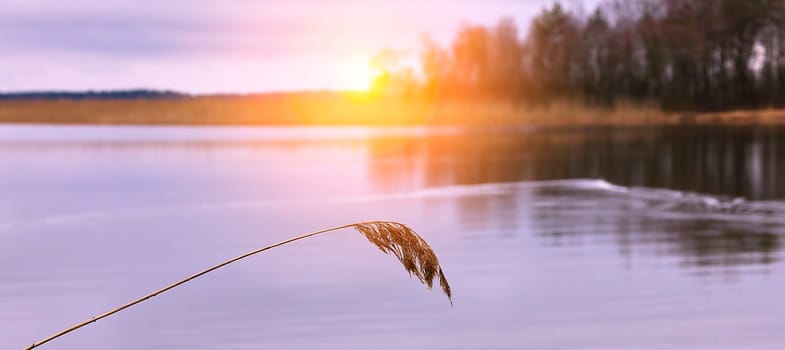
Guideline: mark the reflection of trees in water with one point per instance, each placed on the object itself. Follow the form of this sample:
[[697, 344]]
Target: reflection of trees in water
[[727, 161], [727, 245], [500, 212], [702, 245], [731, 161]]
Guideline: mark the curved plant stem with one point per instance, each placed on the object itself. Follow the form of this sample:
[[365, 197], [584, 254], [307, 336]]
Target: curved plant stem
[[393, 238], [173, 285]]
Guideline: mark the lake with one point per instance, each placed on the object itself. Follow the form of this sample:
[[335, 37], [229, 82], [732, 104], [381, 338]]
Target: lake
[[553, 238]]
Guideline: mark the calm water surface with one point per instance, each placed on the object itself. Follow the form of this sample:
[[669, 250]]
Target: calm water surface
[[604, 238]]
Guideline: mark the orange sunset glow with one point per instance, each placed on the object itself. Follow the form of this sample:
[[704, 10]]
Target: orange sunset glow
[[223, 46], [392, 174], [358, 74]]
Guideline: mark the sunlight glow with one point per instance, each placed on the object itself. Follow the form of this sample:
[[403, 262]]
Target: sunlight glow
[[358, 75]]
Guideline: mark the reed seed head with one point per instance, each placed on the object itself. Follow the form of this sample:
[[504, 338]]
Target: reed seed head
[[415, 254]]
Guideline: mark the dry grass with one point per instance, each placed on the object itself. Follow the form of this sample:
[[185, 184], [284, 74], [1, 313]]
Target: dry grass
[[322, 109], [330, 108], [394, 238], [414, 253], [563, 112], [763, 116], [272, 109]]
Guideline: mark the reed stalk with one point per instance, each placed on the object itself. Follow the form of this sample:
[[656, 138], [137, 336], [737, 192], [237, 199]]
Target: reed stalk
[[390, 237]]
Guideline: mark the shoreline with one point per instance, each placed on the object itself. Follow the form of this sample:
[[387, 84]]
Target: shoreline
[[356, 110]]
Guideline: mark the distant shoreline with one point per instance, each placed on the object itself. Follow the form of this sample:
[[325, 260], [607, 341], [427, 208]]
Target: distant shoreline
[[145, 107], [90, 95]]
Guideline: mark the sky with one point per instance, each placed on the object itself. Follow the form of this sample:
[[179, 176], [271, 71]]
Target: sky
[[227, 46]]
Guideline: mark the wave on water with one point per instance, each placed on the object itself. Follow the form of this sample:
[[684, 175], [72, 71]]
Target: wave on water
[[596, 194], [601, 194]]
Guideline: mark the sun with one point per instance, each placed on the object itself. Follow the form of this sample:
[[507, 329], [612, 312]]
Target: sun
[[357, 75]]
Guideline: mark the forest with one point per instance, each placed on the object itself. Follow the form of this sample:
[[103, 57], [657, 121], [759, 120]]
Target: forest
[[681, 55]]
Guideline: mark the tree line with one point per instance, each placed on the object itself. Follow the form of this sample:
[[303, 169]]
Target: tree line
[[137, 94], [681, 54]]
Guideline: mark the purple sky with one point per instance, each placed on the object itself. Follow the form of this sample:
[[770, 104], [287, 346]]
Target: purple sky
[[221, 46]]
